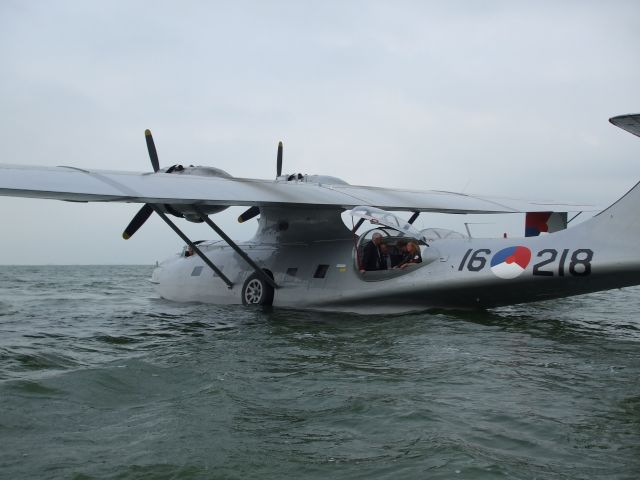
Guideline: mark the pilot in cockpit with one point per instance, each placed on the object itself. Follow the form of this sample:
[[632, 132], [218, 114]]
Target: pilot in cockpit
[[411, 255], [385, 257], [397, 252], [371, 255]]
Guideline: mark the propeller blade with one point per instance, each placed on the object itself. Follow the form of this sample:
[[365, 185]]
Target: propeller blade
[[279, 162], [141, 217], [153, 155], [249, 214]]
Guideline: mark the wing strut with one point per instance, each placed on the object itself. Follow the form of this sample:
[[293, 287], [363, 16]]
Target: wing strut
[[261, 273], [192, 245], [413, 217]]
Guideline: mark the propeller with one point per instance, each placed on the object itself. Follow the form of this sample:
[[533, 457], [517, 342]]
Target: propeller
[[151, 147], [279, 161], [255, 211], [249, 214], [145, 212]]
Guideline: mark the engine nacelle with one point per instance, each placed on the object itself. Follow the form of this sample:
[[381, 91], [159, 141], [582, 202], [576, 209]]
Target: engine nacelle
[[187, 211], [196, 170], [299, 177]]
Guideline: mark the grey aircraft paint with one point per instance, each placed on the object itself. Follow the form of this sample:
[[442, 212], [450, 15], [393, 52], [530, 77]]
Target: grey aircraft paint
[[599, 254], [303, 247]]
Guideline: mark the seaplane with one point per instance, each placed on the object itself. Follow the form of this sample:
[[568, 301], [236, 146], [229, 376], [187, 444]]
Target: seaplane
[[304, 256]]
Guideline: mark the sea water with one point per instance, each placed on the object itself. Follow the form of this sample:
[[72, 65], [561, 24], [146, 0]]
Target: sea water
[[100, 378]]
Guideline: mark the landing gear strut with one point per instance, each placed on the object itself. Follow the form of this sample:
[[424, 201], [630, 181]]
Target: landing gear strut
[[258, 271], [193, 246]]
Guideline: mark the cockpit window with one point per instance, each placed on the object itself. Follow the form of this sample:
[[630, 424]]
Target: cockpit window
[[383, 253], [394, 248], [435, 234]]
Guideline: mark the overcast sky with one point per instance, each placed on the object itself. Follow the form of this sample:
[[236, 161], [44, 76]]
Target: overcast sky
[[501, 98]]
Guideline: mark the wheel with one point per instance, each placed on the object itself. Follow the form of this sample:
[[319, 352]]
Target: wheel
[[256, 291]]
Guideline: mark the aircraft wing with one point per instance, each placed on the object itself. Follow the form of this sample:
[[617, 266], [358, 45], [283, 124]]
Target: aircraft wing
[[79, 185]]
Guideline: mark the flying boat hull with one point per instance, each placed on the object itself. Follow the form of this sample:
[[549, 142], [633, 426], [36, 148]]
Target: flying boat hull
[[464, 273]]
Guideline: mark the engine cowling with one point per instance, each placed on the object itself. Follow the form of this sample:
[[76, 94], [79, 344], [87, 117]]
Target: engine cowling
[[185, 211]]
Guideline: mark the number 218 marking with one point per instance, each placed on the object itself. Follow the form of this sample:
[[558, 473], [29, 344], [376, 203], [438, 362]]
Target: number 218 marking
[[579, 263], [552, 262]]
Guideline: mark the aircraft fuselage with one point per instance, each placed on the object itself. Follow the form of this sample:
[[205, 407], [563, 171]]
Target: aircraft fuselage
[[457, 273]]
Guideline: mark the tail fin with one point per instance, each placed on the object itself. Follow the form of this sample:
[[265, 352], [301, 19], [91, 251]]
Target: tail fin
[[548, 222], [620, 223]]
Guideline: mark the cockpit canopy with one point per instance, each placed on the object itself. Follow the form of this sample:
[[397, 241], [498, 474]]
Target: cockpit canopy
[[378, 216]]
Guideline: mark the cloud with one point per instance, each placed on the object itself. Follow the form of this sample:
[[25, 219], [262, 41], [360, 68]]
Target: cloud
[[498, 98]]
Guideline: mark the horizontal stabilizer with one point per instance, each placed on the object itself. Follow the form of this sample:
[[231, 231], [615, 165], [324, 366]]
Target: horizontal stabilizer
[[630, 123]]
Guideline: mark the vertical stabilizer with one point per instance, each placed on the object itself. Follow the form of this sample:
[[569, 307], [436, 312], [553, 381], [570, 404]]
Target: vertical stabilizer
[[544, 222]]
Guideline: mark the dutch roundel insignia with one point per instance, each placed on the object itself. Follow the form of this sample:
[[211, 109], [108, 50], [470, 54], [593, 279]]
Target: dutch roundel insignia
[[510, 262]]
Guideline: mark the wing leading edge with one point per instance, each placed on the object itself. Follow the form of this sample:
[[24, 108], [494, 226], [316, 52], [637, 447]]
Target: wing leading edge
[[79, 185]]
